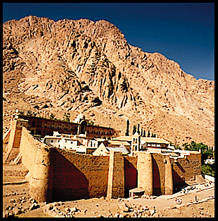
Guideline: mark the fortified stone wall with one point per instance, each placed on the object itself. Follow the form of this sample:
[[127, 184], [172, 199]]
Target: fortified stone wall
[[78, 176], [186, 168], [116, 185], [130, 173], [182, 170], [28, 148], [64, 175], [158, 174], [11, 144], [6, 139], [36, 158]]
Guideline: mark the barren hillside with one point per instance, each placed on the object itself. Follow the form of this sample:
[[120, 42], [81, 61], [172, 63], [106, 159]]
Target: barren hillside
[[81, 66]]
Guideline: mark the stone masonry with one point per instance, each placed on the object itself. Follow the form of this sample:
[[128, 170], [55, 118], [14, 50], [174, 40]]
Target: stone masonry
[[57, 174]]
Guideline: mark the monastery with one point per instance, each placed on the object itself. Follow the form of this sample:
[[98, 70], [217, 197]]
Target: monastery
[[75, 160]]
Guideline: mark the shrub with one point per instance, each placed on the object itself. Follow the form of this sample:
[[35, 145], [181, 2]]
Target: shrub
[[206, 153], [208, 170]]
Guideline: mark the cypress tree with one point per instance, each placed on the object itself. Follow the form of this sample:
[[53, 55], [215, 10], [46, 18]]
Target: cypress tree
[[138, 130], [127, 128], [134, 129], [149, 133]]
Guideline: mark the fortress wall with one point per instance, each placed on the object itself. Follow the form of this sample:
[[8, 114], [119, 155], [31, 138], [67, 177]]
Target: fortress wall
[[158, 174], [56, 174], [28, 148], [36, 158], [6, 139], [186, 169], [116, 180], [145, 172], [130, 173], [182, 170], [12, 140], [77, 176]]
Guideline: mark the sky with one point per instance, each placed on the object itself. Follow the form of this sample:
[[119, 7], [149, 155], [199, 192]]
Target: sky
[[183, 32]]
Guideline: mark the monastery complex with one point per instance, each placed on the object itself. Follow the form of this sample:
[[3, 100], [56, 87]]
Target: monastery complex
[[76, 160]]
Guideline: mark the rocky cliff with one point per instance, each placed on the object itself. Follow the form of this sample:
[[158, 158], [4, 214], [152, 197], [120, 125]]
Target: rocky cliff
[[81, 66]]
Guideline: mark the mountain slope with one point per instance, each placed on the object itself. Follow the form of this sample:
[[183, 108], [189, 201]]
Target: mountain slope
[[73, 66]]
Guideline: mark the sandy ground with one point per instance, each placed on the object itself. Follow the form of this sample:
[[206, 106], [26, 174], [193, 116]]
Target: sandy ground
[[196, 200]]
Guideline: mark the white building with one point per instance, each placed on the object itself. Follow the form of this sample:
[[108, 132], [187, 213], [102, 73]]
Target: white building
[[103, 150]]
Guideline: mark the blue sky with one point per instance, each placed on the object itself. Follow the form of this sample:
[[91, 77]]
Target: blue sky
[[183, 32]]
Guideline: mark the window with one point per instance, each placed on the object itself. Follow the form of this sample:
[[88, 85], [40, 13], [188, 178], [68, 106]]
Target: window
[[51, 141]]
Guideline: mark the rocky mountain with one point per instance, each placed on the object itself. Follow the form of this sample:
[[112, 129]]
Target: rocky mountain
[[80, 66]]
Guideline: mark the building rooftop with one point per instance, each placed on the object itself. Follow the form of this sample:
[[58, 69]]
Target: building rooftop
[[154, 140], [143, 139], [123, 138], [119, 149], [117, 142]]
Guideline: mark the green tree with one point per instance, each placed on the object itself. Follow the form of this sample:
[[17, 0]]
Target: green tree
[[206, 153], [177, 147], [208, 169], [138, 130], [52, 117], [134, 129], [127, 128], [89, 122], [149, 134], [67, 117]]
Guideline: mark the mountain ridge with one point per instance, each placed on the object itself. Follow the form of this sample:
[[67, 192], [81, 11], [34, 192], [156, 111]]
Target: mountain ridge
[[73, 66]]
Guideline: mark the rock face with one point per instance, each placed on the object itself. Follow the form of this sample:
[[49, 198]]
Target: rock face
[[81, 66]]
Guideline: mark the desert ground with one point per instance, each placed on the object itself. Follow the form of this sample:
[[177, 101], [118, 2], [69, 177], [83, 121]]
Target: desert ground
[[194, 200]]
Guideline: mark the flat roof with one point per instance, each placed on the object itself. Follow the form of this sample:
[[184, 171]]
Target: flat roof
[[123, 138], [154, 140], [145, 139], [117, 142]]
